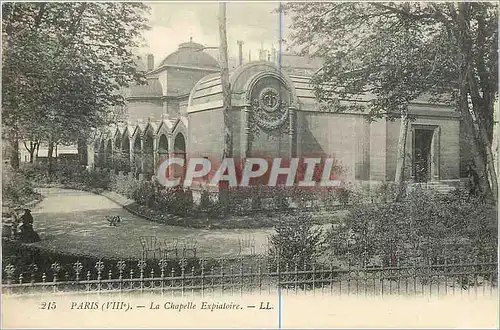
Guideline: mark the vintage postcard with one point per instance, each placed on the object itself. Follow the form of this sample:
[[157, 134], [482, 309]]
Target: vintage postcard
[[250, 164]]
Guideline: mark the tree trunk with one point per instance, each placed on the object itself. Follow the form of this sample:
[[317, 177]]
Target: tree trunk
[[49, 156], [226, 94], [489, 183], [31, 149], [490, 162], [401, 160], [483, 131], [37, 149], [469, 86], [226, 88], [32, 154], [82, 151], [13, 148]]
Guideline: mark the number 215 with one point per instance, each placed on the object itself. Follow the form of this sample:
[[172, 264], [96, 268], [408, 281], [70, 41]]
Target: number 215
[[48, 305]]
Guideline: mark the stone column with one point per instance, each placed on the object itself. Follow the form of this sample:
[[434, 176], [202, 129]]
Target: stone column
[[143, 163], [435, 146], [410, 149], [291, 131], [155, 154], [245, 132], [117, 155], [171, 153], [131, 155]]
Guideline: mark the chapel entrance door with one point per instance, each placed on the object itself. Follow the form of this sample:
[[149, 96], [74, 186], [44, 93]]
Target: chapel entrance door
[[423, 154]]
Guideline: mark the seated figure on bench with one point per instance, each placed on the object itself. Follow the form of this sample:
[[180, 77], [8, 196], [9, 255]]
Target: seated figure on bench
[[26, 232]]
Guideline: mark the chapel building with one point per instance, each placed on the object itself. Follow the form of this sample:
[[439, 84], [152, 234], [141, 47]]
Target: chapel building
[[274, 113]]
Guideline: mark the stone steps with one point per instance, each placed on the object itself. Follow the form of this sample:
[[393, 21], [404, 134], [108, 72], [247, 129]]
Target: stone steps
[[440, 186]]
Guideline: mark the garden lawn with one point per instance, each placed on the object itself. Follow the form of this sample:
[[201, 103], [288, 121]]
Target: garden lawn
[[72, 221]]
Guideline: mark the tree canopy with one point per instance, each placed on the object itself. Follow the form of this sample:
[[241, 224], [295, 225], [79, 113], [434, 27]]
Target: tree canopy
[[63, 64], [397, 52]]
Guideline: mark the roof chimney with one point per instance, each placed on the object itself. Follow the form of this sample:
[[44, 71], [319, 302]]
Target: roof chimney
[[249, 55], [273, 54], [240, 52], [150, 62]]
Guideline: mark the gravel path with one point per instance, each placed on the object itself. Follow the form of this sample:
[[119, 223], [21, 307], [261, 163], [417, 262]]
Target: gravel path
[[74, 221]]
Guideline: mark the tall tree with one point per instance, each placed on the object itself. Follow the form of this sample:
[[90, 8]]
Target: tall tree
[[226, 97], [63, 64], [226, 88], [396, 52]]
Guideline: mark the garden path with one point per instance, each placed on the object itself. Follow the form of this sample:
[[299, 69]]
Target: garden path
[[73, 221]]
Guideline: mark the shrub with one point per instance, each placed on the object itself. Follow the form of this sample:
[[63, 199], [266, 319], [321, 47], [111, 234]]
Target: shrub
[[181, 203], [424, 226], [205, 202], [17, 189], [67, 174], [343, 195], [217, 210], [295, 240], [385, 192], [167, 199], [279, 199], [95, 179], [37, 173], [143, 192]]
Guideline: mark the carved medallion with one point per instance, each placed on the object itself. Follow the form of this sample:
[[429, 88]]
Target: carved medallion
[[270, 112], [269, 99]]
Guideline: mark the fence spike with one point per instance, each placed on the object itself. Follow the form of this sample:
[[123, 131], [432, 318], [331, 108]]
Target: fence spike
[[56, 267], [9, 272], [141, 265], [162, 263], [183, 263], [121, 265], [307, 274], [99, 266], [33, 270], [77, 266]]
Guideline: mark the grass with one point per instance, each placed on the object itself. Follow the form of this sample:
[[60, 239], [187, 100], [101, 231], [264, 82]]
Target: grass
[[74, 222]]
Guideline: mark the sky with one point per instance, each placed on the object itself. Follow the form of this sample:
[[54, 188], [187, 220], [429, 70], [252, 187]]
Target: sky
[[173, 23]]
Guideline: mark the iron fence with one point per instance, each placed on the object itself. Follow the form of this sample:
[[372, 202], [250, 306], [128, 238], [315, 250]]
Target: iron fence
[[259, 274]]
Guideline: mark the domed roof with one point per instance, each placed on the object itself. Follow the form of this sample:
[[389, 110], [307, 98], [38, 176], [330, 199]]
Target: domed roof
[[190, 54], [208, 91]]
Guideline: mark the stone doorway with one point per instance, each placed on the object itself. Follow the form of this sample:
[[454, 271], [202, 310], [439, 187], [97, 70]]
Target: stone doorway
[[425, 165]]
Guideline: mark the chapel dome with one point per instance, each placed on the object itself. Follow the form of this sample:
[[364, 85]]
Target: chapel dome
[[190, 54]]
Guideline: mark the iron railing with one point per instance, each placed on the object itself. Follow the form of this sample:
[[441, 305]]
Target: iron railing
[[258, 274]]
